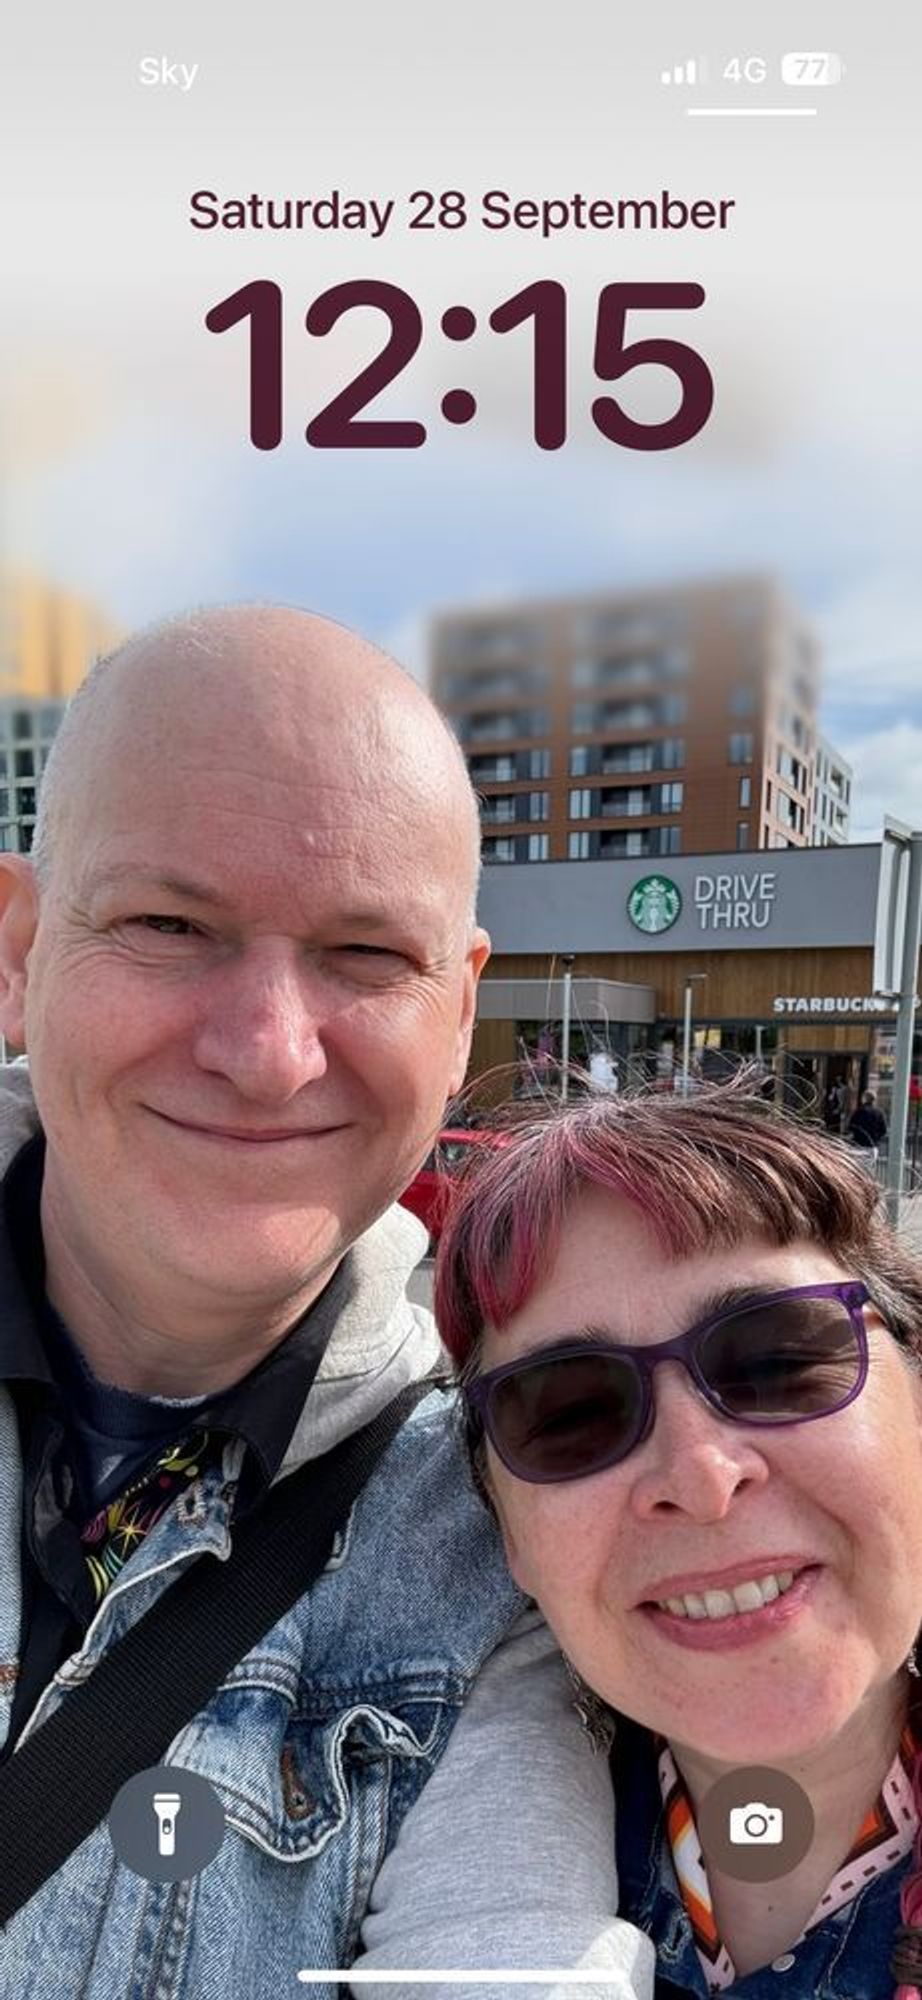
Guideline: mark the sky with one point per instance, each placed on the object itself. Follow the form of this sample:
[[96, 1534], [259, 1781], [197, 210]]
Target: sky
[[125, 469]]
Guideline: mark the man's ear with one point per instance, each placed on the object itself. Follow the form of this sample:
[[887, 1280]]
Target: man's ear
[[18, 922], [478, 952]]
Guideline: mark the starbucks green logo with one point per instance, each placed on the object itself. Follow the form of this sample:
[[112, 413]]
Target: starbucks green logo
[[654, 904]]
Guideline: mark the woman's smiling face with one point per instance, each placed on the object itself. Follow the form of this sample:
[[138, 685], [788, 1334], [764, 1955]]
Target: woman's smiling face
[[704, 1502]]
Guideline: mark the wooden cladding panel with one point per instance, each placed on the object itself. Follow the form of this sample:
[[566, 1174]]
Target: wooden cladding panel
[[740, 985]]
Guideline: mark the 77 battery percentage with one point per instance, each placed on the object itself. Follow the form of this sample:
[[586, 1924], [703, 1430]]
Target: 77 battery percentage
[[813, 68]]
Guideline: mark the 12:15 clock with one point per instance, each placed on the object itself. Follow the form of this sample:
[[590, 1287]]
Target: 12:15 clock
[[541, 305]]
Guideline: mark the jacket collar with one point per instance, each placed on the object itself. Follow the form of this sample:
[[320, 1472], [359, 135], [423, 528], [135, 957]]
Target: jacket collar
[[381, 1341]]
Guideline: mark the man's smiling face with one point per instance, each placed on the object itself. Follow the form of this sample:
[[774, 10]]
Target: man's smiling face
[[251, 985]]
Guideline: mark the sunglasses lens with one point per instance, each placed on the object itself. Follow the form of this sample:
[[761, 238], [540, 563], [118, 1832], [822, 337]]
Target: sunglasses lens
[[798, 1358], [565, 1418]]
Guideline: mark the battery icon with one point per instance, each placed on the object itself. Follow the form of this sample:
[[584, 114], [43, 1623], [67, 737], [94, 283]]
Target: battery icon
[[813, 68]]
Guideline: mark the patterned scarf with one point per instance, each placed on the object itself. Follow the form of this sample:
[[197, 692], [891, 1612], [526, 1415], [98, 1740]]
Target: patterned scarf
[[118, 1529], [885, 1835]]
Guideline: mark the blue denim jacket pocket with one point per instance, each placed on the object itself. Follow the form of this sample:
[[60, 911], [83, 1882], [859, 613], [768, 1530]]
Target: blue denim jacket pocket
[[290, 1779]]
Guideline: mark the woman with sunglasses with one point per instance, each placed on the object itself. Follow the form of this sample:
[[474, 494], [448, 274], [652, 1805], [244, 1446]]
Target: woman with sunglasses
[[690, 1347]]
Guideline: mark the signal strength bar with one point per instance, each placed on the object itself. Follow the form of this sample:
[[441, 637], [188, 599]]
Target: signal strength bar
[[689, 72]]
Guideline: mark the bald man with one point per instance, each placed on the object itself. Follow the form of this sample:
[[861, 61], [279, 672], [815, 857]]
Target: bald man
[[243, 964]]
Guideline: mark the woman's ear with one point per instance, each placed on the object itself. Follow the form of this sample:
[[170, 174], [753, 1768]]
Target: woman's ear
[[18, 924]]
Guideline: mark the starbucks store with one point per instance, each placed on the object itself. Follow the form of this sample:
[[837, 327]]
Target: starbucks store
[[765, 957]]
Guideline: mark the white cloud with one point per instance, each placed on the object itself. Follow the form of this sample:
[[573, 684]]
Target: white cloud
[[888, 778], [870, 637], [407, 641]]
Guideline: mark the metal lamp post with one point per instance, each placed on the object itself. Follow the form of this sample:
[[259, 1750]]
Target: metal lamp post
[[568, 960], [694, 979]]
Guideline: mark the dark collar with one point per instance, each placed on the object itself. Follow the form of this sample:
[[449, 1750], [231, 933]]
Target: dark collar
[[262, 1409]]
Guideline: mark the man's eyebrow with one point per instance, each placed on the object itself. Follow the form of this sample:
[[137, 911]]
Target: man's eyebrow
[[184, 887], [148, 878]]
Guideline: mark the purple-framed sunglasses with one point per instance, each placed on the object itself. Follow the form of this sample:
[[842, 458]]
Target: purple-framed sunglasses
[[565, 1411]]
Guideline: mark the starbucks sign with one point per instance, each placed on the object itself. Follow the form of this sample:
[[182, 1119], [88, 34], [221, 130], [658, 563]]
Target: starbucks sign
[[654, 904]]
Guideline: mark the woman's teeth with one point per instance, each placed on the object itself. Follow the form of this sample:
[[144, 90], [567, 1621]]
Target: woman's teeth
[[748, 1596]]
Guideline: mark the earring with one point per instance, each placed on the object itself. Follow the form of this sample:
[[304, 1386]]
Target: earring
[[912, 1664], [596, 1718]]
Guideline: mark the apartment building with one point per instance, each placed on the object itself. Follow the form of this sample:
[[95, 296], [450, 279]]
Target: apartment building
[[27, 730], [643, 724], [48, 639], [832, 800]]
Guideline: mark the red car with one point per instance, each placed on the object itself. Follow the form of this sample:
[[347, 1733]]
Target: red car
[[427, 1195]]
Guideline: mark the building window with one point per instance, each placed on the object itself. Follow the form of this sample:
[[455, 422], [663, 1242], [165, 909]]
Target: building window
[[4, 803], [580, 802], [670, 840], [625, 673], [480, 728], [615, 846], [579, 760], [22, 724], [537, 847], [25, 799], [742, 835], [742, 701], [582, 715], [539, 804], [492, 770], [671, 796], [673, 753], [539, 764], [673, 708], [674, 662], [499, 850], [24, 764], [745, 798], [578, 846], [498, 810], [634, 801], [48, 721], [618, 757], [628, 715], [792, 769], [741, 748]]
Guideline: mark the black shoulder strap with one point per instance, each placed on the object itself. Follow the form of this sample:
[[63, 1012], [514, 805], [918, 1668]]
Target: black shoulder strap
[[58, 1786]]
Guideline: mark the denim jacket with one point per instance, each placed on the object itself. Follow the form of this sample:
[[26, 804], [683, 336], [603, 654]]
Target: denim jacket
[[845, 1958], [320, 1740]]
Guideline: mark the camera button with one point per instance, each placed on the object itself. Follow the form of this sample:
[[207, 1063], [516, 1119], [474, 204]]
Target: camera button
[[755, 1824]]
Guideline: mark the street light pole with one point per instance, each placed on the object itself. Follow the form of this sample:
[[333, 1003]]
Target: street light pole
[[905, 1027], [694, 979], [568, 963]]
